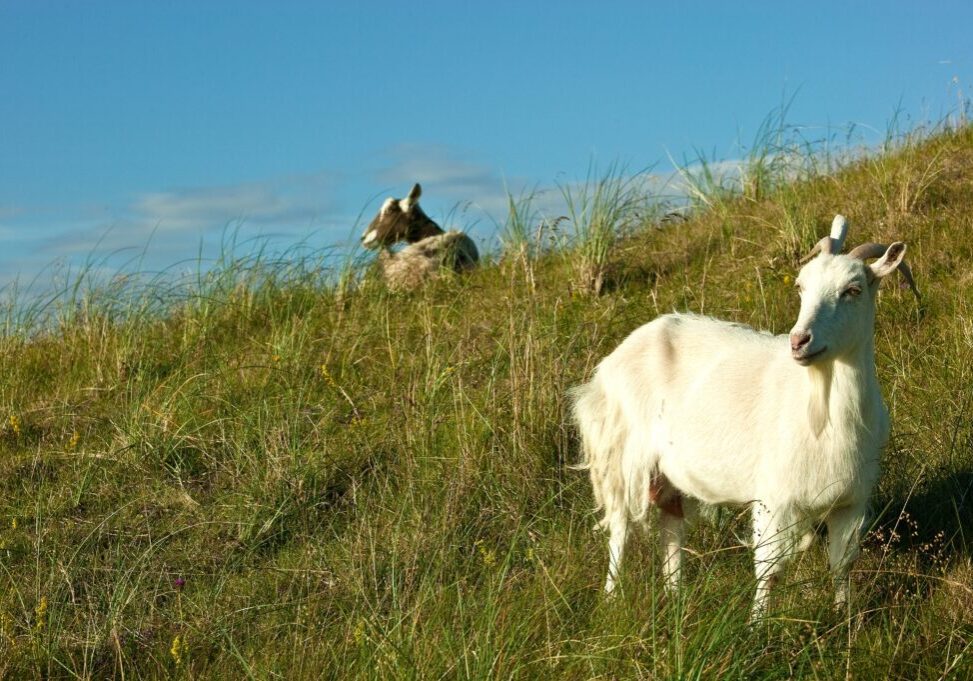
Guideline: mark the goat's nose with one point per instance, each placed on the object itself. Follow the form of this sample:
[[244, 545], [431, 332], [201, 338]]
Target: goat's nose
[[799, 340]]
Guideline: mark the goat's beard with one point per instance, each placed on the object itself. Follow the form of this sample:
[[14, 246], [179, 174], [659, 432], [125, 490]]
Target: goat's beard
[[817, 407]]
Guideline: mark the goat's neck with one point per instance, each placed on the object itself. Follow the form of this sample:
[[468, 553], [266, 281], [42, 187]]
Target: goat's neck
[[428, 229], [838, 388]]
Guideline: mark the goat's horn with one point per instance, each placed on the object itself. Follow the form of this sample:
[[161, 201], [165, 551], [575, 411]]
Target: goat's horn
[[832, 243], [907, 275], [839, 230], [873, 250], [866, 251], [822, 246]]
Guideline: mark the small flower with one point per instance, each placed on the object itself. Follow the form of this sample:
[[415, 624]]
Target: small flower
[[14, 423], [787, 280], [276, 358], [13, 524], [178, 646], [359, 632], [488, 556], [179, 583], [326, 375], [40, 614], [75, 439]]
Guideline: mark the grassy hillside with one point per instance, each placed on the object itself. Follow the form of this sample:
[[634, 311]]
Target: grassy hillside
[[269, 476]]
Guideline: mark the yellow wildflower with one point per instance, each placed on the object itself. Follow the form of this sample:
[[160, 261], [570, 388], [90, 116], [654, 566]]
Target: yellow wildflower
[[14, 423], [178, 646], [787, 280], [488, 556], [359, 633], [13, 523], [40, 613], [75, 439], [326, 375]]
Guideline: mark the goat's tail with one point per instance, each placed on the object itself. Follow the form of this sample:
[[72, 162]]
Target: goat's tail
[[600, 422]]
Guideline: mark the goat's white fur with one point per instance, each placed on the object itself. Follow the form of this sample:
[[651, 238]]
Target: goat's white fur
[[724, 414]]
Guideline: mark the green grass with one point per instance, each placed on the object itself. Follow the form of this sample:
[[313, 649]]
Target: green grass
[[263, 474]]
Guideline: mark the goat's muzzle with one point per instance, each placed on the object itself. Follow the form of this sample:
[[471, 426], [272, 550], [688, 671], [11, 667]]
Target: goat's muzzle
[[799, 341], [801, 350]]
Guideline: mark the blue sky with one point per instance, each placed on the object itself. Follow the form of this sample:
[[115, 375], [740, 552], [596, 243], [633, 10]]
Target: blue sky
[[121, 121]]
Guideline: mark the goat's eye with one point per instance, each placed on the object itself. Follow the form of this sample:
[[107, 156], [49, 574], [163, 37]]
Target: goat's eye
[[851, 292]]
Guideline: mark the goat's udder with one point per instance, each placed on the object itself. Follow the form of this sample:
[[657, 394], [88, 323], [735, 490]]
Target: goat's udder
[[665, 496]]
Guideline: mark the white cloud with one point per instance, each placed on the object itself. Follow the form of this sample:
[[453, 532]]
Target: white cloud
[[172, 222], [9, 210], [287, 200]]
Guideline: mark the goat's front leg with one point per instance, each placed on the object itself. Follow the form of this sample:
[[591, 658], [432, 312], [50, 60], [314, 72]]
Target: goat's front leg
[[844, 528], [618, 532], [772, 546]]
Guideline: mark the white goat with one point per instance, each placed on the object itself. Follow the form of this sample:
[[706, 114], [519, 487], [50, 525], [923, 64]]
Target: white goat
[[692, 408]]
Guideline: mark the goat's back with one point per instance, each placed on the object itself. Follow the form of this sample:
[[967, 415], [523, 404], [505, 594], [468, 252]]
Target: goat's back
[[427, 258], [701, 400]]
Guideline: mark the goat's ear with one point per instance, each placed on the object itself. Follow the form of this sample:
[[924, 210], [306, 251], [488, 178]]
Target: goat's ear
[[409, 201], [889, 261]]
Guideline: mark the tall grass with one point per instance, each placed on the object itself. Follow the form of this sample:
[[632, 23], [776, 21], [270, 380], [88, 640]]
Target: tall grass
[[602, 209]]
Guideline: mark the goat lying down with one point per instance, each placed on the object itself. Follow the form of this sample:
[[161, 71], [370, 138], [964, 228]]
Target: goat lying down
[[430, 251], [692, 408]]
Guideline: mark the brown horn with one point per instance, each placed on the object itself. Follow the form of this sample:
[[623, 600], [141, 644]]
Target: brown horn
[[873, 250], [869, 250], [832, 243], [822, 246]]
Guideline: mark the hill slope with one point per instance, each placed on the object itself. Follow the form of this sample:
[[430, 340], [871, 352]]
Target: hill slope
[[271, 475]]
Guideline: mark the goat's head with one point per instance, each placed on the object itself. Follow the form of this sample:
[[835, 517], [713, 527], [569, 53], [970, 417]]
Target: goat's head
[[400, 220], [838, 295]]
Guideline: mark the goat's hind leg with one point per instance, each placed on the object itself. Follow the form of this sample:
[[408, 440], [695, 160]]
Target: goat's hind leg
[[672, 533], [617, 534], [672, 527]]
